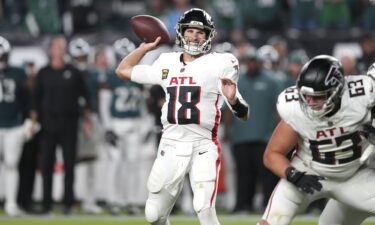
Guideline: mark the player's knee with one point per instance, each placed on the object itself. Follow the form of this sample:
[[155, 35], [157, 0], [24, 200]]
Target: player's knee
[[208, 216], [263, 222], [152, 212], [202, 199]]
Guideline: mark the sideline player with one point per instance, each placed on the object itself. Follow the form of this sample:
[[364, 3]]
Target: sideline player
[[196, 84], [89, 143], [323, 115], [12, 133], [122, 107]]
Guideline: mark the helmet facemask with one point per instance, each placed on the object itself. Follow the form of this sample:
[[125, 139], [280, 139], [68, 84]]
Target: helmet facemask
[[199, 19], [317, 104]]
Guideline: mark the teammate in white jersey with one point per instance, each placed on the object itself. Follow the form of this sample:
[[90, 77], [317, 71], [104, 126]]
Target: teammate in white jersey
[[196, 84], [322, 116], [339, 213]]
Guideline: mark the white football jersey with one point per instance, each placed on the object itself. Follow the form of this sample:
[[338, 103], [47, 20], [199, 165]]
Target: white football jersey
[[332, 146], [193, 92]]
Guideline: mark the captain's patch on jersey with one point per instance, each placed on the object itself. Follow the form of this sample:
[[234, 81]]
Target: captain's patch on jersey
[[164, 74]]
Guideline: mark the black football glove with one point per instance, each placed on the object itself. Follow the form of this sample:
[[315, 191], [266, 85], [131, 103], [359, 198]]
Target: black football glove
[[111, 138], [368, 131], [305, 182]]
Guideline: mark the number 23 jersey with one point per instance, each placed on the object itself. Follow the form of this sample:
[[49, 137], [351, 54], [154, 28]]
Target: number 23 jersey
[[332, 146], [193, 92]]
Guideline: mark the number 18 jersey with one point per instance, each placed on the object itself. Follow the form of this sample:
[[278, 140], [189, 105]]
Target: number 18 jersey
[[332, 146], [193, 92]]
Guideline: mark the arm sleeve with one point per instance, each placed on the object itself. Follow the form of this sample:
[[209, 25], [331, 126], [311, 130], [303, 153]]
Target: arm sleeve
[[230, 71], [288, 110], [230, 68], [146, 74]]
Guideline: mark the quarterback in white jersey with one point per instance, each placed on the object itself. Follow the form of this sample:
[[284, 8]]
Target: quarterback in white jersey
[[196, 84], [322, 117]]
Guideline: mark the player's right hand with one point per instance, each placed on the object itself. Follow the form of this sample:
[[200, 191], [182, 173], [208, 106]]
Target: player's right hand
[[307, 183], [150, 46], [111, 138]]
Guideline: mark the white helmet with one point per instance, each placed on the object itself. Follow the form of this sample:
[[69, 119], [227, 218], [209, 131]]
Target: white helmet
[[4, 52], [78, 48], [123, 47]]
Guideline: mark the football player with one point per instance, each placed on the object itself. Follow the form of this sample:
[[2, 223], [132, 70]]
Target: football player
[[13, 132], [196, 84], [89, 141], [323, 116], [122, 107], [339, 213]]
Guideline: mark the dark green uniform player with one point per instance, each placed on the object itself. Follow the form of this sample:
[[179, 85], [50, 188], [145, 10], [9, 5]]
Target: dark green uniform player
[[127, 97], [89, 144], [125, 107], [11, 81], [12, 132]]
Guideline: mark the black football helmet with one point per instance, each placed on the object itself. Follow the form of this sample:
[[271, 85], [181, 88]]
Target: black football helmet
[[322, 77], [196, 18], [4, 52]]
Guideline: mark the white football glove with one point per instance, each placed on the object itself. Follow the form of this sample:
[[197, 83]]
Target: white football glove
[[30, 128]]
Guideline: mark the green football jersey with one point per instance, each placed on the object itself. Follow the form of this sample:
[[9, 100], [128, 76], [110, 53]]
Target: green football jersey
[[11, 96], [93, 80], [126, 99]]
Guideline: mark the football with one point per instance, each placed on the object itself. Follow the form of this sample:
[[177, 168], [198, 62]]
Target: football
[[148, 28]]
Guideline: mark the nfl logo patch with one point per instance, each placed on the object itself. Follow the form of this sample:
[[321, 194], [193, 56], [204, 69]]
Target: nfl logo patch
[[182, 70]]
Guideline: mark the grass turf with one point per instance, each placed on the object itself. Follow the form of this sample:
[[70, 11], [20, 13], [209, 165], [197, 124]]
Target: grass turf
[[108, 220]]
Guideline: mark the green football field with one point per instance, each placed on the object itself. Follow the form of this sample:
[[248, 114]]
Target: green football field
[[123, 220]]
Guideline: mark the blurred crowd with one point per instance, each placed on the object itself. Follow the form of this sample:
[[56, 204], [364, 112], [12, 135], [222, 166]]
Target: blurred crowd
[[26, 20], [99, 138], [89, 15]]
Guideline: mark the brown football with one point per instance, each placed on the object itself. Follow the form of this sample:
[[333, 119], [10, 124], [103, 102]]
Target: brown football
[[148, 28]]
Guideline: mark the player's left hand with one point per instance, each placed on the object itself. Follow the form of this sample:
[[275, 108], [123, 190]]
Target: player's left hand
[[87, 127], [30, 128], [229, 89], [305, 182]]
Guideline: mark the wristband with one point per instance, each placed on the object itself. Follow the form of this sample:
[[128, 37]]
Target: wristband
[[239, 109]]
